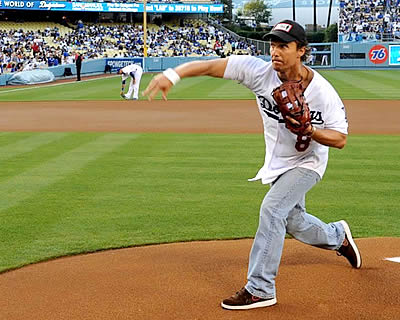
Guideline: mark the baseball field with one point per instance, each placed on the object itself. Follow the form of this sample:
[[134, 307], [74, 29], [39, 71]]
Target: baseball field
[[83, 171]]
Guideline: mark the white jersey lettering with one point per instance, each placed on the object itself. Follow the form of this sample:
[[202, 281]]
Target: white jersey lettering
[[326, 110]]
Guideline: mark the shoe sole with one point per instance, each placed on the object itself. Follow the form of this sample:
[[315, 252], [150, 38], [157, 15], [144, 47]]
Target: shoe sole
[[352, 243], [262, 304]]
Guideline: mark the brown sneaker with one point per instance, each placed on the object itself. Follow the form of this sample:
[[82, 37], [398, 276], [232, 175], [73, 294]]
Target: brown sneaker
[[349, 248], [243, 300]]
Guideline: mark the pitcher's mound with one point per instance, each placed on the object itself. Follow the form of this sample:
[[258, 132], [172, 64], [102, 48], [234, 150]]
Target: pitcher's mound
[[188, 281]]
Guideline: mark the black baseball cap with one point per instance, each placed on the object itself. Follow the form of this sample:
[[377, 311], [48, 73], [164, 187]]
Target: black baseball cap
[[287, 31]]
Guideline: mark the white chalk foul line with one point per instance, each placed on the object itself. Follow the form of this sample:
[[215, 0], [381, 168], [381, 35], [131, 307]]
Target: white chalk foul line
[[54, 84], [394, 259]]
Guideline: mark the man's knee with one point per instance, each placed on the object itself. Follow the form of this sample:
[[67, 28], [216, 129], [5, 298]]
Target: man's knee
[[270, 210], [294, 220]]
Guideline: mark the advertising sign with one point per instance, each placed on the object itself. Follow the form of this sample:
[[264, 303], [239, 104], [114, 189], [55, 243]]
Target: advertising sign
[[394, 55], [378, 54], [110, 6], [302, 3], [118, 63]]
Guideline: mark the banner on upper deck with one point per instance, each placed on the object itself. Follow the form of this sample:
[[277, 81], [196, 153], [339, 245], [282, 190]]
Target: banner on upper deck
[[111, 6]]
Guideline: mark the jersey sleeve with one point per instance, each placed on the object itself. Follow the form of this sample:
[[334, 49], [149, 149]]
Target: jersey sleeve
[[337, 119], [245, 69]]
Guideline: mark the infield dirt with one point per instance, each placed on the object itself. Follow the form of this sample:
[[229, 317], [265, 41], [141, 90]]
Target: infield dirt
[[188, 280], [213, 116]]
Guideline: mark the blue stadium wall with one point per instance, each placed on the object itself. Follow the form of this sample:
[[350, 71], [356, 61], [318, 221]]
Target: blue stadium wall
[[344, 55]]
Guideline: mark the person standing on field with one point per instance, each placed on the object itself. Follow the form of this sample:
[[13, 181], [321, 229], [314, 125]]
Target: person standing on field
[[78, 64], [324, 60], [293, 164], [133, 71]]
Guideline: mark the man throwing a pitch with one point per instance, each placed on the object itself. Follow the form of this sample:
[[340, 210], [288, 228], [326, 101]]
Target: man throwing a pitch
[[134, 72], [303, 116]]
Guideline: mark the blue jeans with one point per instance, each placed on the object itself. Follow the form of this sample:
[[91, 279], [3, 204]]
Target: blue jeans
[[283, 211]]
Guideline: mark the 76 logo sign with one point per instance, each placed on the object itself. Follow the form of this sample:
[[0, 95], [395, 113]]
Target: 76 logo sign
[[378, 54]]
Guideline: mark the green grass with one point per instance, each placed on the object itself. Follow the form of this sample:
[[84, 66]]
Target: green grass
[[67, 193], [365, 84], [350, 84], [109, 88]]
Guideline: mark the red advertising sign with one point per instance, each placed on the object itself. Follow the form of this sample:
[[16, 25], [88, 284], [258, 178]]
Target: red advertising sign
[[378, 54]]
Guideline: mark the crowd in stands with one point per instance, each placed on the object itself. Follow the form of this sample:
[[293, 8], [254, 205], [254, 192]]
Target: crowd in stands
[[369, 20], [27, 50]]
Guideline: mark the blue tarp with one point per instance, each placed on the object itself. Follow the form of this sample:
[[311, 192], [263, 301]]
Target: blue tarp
[[31, 77]]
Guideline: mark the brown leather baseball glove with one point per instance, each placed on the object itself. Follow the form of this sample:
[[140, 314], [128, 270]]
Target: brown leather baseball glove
[[293, 107]]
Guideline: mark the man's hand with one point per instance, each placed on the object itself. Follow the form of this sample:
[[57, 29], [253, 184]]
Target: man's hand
[[157, 84], [308, 131], [289, 97]]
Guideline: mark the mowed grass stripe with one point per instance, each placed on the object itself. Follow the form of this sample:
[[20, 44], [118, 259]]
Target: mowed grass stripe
[[388, 86], [69, 209], [207, 88], [27, 144], [24, 161], [2, 134], [230, 90], [367, 81], [97, 89], [345, 87], [391, 75], [33, 180], [109, 88], [8, 138], [364, 84], [188, 86]]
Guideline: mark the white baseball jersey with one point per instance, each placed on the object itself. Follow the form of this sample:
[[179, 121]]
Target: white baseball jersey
[[326, 109], [136, 69]]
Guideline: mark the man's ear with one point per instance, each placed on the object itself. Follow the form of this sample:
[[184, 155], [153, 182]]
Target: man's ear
[[301, 52]]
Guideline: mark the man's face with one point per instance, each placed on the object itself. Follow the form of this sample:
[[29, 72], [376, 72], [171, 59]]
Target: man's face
[[285, 55]]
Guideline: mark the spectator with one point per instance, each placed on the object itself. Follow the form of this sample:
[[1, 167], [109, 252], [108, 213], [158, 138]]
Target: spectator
[[35, 48], [50, 46], [79, 25], [78, 64], [368, 20]]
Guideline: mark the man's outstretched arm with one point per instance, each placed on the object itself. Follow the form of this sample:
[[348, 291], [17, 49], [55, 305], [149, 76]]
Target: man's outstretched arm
[[164, 81]]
